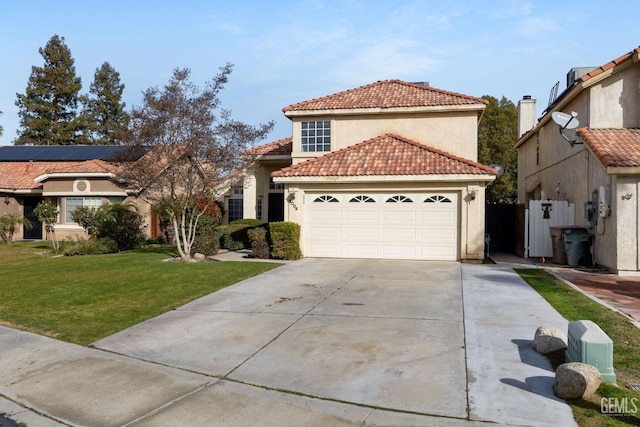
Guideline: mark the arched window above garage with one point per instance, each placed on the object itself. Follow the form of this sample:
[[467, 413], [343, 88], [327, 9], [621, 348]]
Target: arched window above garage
[[325, 198], [437, 199], [399, 199], [361, 199]]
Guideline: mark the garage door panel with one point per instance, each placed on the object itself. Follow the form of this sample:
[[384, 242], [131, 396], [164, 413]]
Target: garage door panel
[[401, 215], [382, 229], [326, 232], [389, 233], [362, 233], [359, 214]]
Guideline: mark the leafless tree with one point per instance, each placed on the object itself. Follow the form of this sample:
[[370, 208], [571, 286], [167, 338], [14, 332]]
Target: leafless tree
[[189, 143]]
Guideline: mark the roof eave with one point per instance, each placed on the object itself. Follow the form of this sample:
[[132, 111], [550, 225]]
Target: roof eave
[[623, 170], [46, 176], [384, 178], [367, 111]]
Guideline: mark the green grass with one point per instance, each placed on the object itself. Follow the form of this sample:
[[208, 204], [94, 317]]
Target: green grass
[[626, 347], [81, 299]]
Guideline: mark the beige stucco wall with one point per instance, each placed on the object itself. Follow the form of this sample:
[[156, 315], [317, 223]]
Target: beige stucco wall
[[453, 132], [614, 101], [471, 214]]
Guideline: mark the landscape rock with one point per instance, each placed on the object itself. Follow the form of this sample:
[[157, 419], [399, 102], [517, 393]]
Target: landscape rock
[[199, 257], [549, 339], [576, 380]]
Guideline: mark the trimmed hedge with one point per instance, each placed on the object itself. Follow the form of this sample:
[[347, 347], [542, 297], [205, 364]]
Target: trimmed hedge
[[103, 245], [259, 242], [235, 237], [207, 245], [285, 240], [248, 221]]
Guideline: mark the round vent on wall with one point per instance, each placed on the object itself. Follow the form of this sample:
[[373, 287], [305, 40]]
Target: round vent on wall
[[81, 186]]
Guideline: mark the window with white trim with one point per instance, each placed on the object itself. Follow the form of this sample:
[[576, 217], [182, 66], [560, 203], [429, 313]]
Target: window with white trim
[[234, 210], [437, 199], [316, 136], [399, 199], [71, 203], [361, 199], [323, 199]]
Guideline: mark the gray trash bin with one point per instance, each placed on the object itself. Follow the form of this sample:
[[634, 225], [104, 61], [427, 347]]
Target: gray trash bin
[[578, 248], [557, 243]]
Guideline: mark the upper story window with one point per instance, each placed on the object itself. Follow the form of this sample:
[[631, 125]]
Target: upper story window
[[316, 136]]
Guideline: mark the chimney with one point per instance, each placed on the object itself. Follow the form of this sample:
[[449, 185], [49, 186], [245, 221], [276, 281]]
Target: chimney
[[526, 115]]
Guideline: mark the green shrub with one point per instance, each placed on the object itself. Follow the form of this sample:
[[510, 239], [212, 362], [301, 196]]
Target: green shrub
[[118, 221], [248, 221], [259, 243], [100, 246], [207, 245], [285, 240], [235, 236]]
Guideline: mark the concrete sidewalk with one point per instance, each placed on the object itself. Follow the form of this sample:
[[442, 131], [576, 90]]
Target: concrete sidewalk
[[314, 342]]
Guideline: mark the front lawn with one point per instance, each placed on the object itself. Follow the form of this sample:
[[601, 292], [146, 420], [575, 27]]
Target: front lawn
[[81, 299], [573, 306]]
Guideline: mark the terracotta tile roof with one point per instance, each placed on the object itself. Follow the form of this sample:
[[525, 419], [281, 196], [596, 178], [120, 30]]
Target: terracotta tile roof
[[386, 94], [610, 65], [89, 166], [385, 155], [275, 148], [22, 175], [613, 147]]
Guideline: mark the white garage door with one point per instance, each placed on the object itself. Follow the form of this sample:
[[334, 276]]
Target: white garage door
[[382, 225]]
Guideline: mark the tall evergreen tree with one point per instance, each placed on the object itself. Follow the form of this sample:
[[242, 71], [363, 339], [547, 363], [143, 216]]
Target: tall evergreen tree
[[1, 128], [48, 107], [104, 118], [497, 133]]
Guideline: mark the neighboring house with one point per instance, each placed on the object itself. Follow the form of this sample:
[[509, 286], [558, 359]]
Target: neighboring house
[[386, 170], [599, 171], [68, 177]]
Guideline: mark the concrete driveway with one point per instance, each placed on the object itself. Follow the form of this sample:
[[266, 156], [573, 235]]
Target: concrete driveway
[[324, 342]]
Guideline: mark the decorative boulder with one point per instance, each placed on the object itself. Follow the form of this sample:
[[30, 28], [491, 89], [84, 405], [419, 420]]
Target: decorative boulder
[[576, 380], [549, 339], [199, 257]]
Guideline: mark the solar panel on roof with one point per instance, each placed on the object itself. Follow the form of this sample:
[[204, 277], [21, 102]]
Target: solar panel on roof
[[52, 153]]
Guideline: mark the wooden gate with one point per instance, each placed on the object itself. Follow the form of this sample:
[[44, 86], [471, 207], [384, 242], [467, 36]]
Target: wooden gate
[[541, 215]]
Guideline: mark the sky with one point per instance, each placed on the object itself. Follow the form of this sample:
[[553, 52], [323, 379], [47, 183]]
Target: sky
[[286, 52]]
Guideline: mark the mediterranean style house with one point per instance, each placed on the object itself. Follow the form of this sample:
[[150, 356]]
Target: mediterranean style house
[[385, 170], [594, 162], [68, 177]]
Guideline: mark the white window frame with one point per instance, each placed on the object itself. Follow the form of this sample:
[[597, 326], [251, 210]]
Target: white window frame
[[92, 202], [316, 136]]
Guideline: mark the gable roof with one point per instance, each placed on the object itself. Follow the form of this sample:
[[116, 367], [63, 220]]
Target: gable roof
[[609, 65], [385, 155], [276, 148], [385, 94], [614, 148]]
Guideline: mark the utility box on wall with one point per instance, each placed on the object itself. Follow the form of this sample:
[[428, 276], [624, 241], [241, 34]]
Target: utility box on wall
[[587, 343]]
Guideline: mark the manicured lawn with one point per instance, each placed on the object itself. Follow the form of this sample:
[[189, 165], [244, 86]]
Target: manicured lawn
[[626, 349], [81, 299]]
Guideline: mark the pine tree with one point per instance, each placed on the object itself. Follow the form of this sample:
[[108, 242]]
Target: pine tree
[[497, 133], [48, 107], [104, 117]]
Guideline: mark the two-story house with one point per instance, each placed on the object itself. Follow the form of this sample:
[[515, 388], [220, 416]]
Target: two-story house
[[385, 170], [594, 162]]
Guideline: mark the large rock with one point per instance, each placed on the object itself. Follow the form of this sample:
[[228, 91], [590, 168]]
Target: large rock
[[199, 257], [576, 380], [549, 339]]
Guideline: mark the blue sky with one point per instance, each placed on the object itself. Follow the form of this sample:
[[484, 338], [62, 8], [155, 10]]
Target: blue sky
[[290, 51]]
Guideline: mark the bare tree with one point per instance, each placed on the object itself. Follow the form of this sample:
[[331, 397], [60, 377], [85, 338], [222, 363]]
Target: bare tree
[[190, 143]]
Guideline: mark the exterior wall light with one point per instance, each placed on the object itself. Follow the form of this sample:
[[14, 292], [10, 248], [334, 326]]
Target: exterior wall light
[[473, 194], [7, 200]]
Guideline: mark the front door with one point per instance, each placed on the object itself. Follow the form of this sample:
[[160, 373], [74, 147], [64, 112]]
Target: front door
[[276, 207], [35, 232]]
